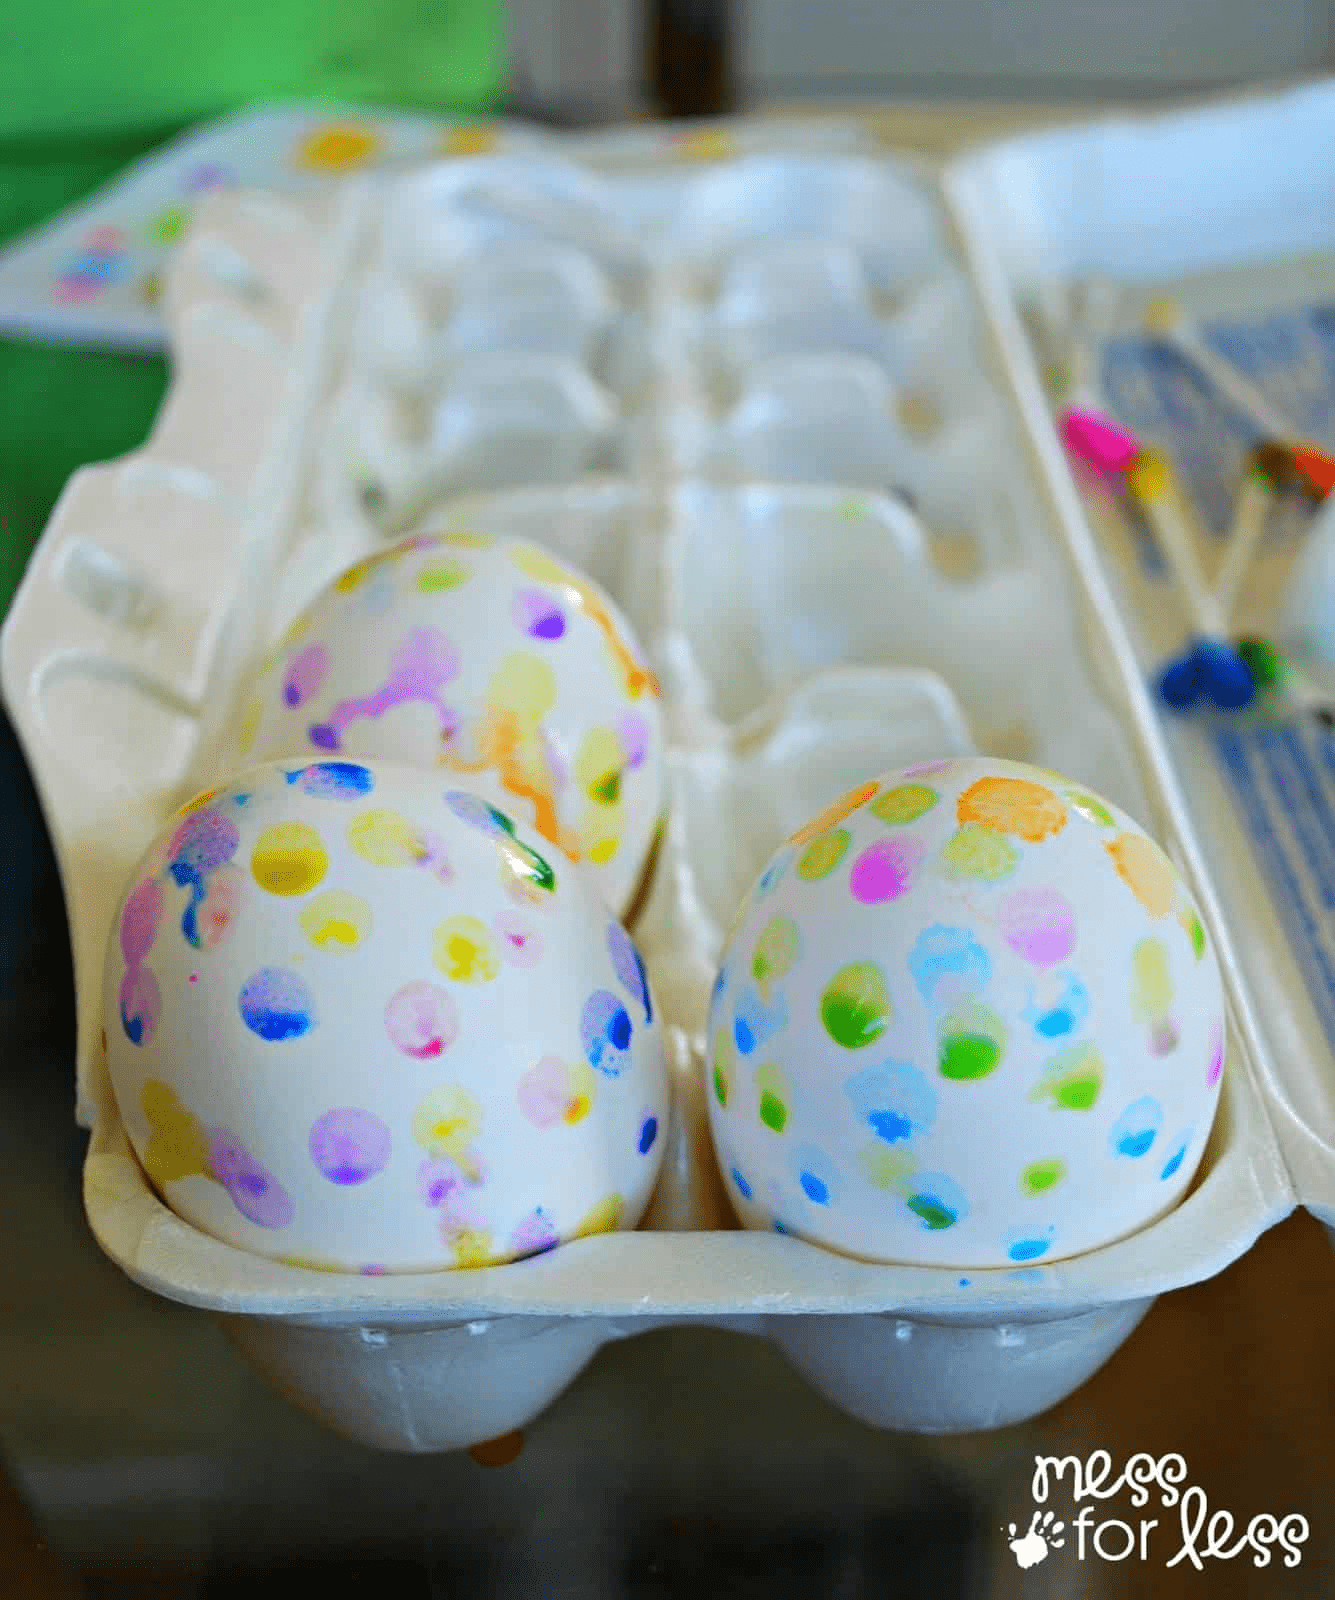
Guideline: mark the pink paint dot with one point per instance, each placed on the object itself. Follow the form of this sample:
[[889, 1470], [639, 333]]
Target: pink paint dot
[[1039, 925], [139, 921], [194, 977], [1216, 1059], [884, 870], [520, 941], [373, 1269], [422, 1021]]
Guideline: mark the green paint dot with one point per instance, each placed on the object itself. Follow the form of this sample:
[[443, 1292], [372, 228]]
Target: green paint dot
[[931, 1211], [773, 1112], [168, 226], [968, 1055], [776, 950], [1078, 1094], [904, 803], [1197, 936], [855, 1007], [823, 855], [441, 576], [1072, 1080], [852, 508], [721, 1086], [606, 791], [1041, 1175], [975, 852], [1091, 808]]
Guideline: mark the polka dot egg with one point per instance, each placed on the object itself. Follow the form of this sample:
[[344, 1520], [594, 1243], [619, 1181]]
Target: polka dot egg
[[362, 1020], [490, 659], [970, 1017]]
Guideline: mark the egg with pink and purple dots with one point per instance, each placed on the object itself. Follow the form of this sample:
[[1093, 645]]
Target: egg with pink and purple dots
[[359, 1016], [495, 661], [969, 1016]]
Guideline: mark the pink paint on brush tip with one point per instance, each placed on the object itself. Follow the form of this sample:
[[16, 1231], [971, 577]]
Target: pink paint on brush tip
[[1099, 442]]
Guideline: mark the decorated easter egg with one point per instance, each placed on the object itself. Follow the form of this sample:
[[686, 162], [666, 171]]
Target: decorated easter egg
[[968, 1016], [492, 660], [358, 1018]]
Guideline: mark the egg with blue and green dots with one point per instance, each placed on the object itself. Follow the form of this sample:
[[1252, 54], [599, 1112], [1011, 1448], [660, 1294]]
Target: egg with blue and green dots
[[969, 1016]]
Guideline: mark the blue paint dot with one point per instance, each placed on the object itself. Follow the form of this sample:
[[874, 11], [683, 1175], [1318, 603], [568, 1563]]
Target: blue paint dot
[[1135, 1144], [779, 1227], [965, 1282], [890, 1126], [1055, 1023], [1027, 1249], [134, 1027], [240, 799], [618, 1030], [648, 1133], [815, 1189], [743, 1187], [741, 1032], [1174, 1162]]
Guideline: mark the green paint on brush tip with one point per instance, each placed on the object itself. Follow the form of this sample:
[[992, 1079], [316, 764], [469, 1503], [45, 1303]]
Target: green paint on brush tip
[[855, 1007], [1265, 663]]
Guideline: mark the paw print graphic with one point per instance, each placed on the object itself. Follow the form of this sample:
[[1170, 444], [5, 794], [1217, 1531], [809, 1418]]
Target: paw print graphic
[[1045, 1534]]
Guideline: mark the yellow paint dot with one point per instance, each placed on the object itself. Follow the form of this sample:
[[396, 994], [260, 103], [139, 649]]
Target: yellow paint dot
[[603, 851], [447, 1121], [470, 140], [340, 147], [250, 727], [472, 1249], [524, 686], [708, 144], [464, 950], [289, 859], [386, 839], [1146, 871], [336, 920], [463, 540], [178, 1146], [604, 1218]]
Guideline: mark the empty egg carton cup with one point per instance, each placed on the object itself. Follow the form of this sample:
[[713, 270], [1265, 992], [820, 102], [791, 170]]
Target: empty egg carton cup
[[695, 384]]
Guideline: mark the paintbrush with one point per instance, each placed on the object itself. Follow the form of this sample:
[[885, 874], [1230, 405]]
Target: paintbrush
[[1315, 467], [1211, 668]]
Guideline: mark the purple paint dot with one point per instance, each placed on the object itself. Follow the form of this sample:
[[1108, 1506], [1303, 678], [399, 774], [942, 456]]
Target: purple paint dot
[[538, 614], [194, 977], [305, 675], [205, 841], [633, 731], [373, 1269], [884, 870], [349, 1146], [628, 967], [255, 1193], [605, 1031], [140, 1005], [1039, 925], [139, 921], [275, 1004], [322, 736]]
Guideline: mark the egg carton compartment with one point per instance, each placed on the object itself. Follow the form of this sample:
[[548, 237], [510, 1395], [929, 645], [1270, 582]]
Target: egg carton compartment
[[1252, 271], [806, 636]]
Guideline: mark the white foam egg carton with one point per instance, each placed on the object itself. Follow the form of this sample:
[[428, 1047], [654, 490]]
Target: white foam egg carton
[[757, 400], [1151, 204]]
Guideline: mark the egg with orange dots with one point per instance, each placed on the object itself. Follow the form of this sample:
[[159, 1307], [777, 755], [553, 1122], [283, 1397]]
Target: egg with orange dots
[[358, 1018], [969, 1016], [492, 660]]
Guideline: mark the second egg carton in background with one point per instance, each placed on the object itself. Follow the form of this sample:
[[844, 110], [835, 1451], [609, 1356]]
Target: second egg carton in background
[[757, 401]]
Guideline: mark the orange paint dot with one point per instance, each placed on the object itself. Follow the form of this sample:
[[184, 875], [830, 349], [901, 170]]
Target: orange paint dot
[[338, 148], [199, 802], [1146, 871], [1012, 806], [835, 814], [498, 1452]]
